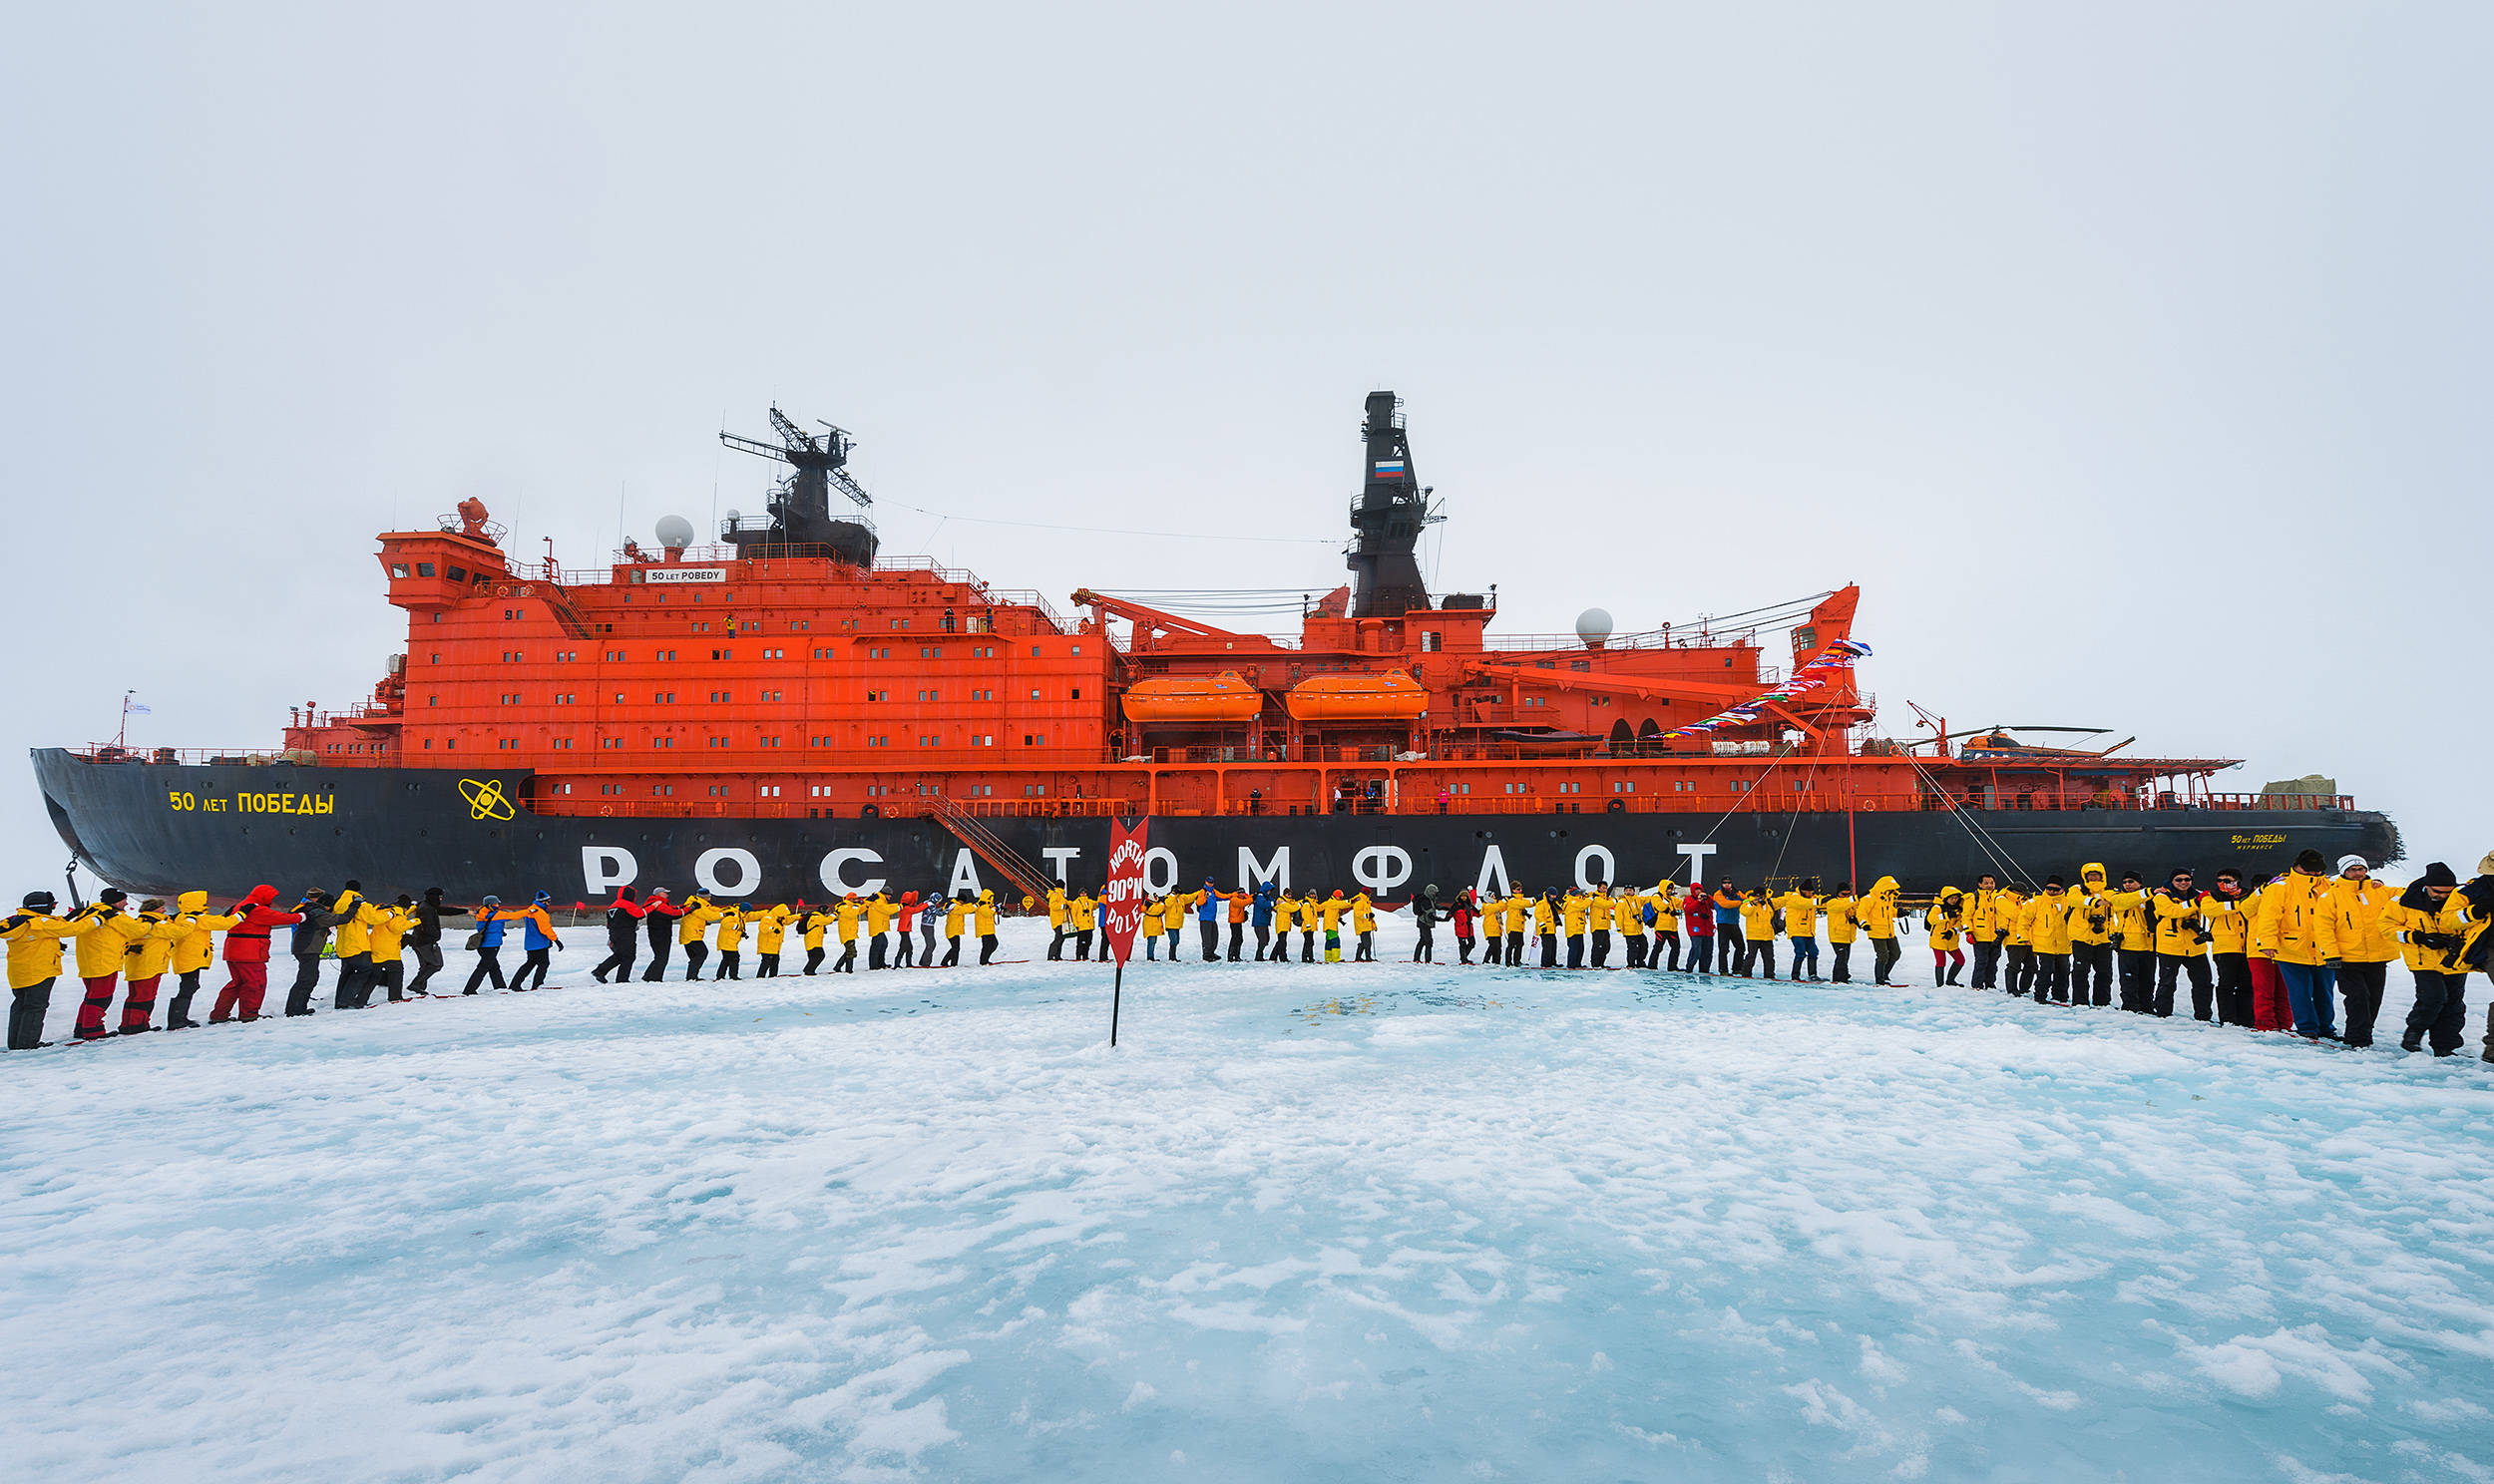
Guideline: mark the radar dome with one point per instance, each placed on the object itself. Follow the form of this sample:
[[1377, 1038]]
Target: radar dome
[[1593, 626], [734, 514], [674, 533]]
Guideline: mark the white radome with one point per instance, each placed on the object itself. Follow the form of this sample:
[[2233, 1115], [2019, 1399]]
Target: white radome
[[1593, 626], [674, 533]]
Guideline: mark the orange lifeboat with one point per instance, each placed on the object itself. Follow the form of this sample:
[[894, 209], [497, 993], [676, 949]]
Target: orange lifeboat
[[1392, 696], [1196, 699]]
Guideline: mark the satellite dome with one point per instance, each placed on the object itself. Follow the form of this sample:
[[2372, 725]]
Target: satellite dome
[[1593, 626], [734, 514], [674, 533]]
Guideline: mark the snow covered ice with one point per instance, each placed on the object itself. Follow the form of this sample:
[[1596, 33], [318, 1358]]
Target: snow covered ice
[[1308, 1223]]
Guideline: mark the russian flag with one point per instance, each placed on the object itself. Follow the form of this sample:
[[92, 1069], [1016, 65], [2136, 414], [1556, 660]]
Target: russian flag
[[1390, 469]]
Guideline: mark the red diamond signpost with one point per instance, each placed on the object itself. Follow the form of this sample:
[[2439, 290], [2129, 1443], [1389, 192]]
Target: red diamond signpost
[[1122, 902]]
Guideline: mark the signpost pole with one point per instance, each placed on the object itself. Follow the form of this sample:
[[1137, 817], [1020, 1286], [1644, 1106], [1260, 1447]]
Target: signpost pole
[[1121, 903]]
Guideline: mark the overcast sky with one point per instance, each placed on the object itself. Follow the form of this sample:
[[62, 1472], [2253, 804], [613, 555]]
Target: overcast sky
[[2131, 358]]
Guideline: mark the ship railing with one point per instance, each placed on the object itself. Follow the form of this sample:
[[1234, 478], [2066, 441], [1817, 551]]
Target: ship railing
[[250, 757]]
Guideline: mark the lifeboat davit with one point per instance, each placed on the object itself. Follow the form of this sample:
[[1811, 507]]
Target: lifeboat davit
[[1198, 699], [1392, 696]]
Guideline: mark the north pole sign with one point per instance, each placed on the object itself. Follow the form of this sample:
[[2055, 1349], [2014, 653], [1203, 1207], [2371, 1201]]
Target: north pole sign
[[1122, 901]]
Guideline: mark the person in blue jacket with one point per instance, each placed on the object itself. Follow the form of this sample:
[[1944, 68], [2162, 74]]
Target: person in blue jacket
[[1260, 916], [489, 922], [1208, 920]]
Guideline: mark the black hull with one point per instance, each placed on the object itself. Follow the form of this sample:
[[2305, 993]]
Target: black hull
[[155, 830]]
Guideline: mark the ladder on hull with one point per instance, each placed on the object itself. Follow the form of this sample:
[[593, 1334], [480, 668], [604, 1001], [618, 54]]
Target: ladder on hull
[[985, 844]]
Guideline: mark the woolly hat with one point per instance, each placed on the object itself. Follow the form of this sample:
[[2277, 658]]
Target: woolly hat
[[40, 900], [2345, 863], [2437, 875], [2309, 861], [112, 896]]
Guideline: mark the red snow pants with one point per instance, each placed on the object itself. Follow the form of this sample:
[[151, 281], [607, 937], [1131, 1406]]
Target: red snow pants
[[250, 982], [140, 1008], [99, 1000], [2269, 995]]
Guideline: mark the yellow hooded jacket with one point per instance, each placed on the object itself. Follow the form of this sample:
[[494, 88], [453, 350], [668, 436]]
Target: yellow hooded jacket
[[1878, 910], [104, 936], [2295, 923], [197, 947], [153, 950], [2179, 925], [2047, 922], [2364, 937], [1945, 922], [1801, 915], [35, 941], [699, 916], [2090, 915], [1843, 926]]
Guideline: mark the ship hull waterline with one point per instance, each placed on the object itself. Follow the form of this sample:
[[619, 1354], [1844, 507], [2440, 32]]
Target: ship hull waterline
[[160, 828]]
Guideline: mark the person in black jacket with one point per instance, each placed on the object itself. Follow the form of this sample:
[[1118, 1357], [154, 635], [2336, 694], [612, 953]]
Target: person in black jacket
[[623, 921], [426, 939], [658, 916], [1424, 917], [311, 935]]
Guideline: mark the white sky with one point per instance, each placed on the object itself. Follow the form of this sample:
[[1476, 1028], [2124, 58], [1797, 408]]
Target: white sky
[[2131, 358]]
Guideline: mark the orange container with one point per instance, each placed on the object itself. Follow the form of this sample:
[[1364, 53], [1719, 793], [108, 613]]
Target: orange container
[[1392, 696], [1193, 698]]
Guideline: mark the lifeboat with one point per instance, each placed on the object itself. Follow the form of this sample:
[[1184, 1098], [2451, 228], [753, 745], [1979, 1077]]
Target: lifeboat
[[1196, 699], [1392, 696]]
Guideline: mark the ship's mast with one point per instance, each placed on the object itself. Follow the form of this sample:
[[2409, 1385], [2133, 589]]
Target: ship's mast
[[1386, 523]]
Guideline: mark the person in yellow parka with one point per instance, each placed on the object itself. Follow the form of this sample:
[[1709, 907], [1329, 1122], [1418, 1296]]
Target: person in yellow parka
[[2182, 939], [143, 965], [956, 916], [1878, 913], [1173, 910], [848, 912], [983, 920], [1057, 915], [1599, 915], [1757, 932], [2090, 920], [2017, 945], [1982, 932], [2366, 944], [2134, 944], [1843, 927], [2227, 912], [104, 933], [36, 940], [1518, 923], [1082, 916], [354, 915], [385, 939], [2297, 930], [1943, 926], [1799, 906], [880, 913], [817, 921], [770, 934], [1330, 913], [1666, 900], [1545, 922], [690, 931], [2047, 927], [1572, 926], [1628, 920], [194, 952], [2430, 919], [730, 934], [1364, 923]]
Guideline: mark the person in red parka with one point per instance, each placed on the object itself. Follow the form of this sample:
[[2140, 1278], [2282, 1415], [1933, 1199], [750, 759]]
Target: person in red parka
[[1697, 909], [246, 954]]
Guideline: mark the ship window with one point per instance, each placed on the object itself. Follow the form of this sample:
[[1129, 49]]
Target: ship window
[[1077, 648], [718, 790], [767, 791], [802, 624], [1076, 692], [510, 613], [458, 574], [983, 741], [1035, 651], [1035, 739], [432, 700], [822, 654], [1035, 790], [1432, 639], [425, 570], [877, 695], [927, 695], [398, 569], [983, 790], [663, 698], [480, 579], [1034, 692], [877, 790], [878, 741]]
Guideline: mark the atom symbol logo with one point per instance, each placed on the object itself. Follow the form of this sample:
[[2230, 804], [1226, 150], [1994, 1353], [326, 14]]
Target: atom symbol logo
[[485, 799]]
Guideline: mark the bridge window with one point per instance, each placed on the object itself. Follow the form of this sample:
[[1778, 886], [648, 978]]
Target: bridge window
[[425, 570]]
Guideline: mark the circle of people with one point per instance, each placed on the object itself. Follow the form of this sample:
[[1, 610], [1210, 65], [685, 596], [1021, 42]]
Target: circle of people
[[2281, 952]]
